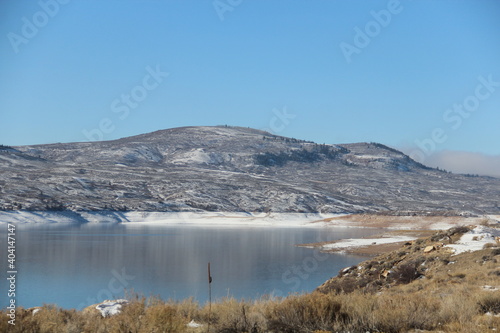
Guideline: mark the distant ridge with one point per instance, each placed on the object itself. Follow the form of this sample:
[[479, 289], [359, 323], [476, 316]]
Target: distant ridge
[[226, 168]]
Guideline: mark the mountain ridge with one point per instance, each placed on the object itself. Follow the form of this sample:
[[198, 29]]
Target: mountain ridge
[[226, 168]]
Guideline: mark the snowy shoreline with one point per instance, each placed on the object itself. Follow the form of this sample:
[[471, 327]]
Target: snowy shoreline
[[353, 243], [169, 218], [235, 219]]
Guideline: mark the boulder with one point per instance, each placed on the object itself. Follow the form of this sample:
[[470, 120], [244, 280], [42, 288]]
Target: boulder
[[429, 248], [385, 273]]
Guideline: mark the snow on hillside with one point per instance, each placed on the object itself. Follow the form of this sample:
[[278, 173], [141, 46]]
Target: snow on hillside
[[475, 239], [185, 218], [226, 168], [200, 156]]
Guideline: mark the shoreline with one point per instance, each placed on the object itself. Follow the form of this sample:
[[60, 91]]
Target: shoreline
[[400, 229], [27, 218], [345, 220], [371, 245]]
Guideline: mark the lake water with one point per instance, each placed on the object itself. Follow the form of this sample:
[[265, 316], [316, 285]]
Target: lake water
[[74, 266]]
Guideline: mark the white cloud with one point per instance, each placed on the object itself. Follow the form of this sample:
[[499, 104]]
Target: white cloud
[[465, 162]]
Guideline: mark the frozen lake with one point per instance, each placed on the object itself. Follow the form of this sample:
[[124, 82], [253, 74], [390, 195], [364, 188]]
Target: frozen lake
[[74, 266]]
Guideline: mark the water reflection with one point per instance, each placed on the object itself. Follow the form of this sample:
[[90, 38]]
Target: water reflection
[[77, 265]]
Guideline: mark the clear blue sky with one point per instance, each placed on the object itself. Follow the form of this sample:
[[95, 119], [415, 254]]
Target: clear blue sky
[[66, 69]]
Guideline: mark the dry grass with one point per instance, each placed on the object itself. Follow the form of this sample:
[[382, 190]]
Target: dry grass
[[419, 221], [231, 315], [432, 292], [398, 310], [306, 313]]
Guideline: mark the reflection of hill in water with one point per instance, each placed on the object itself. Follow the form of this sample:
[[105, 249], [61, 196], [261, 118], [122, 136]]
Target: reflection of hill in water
[[67, 265]]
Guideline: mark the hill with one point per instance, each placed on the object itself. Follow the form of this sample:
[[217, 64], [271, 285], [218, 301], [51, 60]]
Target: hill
[[232, 169]]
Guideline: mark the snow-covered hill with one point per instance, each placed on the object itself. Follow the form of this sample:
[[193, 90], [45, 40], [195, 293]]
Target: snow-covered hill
[[232, 169]]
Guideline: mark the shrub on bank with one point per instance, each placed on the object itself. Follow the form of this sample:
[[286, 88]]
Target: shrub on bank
[[395, 311]]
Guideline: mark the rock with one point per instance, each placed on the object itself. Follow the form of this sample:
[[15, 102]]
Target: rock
[[347, 270], [429, 248]]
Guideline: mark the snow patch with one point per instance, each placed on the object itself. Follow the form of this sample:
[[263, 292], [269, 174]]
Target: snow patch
[[194, 324], [490, 288], [200, 156], [110, 308], [475, 240], [371, 157], [359, 242]]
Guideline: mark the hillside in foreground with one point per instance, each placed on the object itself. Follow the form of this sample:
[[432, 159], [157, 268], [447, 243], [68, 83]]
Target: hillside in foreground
[[232, 169]]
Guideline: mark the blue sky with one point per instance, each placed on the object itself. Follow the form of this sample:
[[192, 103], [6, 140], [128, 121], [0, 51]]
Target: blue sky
[[395, 72]]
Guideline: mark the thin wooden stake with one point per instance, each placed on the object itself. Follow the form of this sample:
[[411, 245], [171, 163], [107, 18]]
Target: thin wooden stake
[[209, 297]]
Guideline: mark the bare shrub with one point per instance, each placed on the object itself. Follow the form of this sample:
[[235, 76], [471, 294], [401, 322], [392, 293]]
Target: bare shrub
[[163, 318], [230, 315], [489, 303], [129, 319], [25, 322], [400, 313], [407, 272], [53, 319], [188, 308], [390, 312], [457, 230], [494, 273], [306, 313]]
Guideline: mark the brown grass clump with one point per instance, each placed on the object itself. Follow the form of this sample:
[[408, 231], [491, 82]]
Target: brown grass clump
[[24, 322], [489, 303], [306, 313], [391, 313], [230, 315], [163, 318]]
